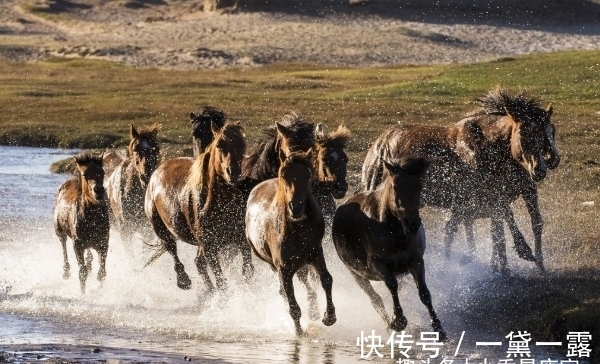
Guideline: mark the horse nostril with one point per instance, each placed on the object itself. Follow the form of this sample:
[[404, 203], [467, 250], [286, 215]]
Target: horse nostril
[[99, 190], [228, 170]]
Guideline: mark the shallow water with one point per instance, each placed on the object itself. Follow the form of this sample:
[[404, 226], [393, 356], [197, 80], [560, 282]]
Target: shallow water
[[138, 314]]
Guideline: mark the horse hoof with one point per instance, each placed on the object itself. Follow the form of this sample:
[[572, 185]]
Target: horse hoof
[[66, 274], [248, 272], [300, 332], [399, 323], [329, 319], [184, 282], [442, 335]]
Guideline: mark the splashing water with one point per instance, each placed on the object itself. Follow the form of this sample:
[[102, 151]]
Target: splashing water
[[143, 309]]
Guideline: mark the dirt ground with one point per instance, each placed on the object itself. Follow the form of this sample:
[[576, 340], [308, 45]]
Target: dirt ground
[[178, 34]]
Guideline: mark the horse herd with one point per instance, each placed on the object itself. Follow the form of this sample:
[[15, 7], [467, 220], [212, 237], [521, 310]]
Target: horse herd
[[277, 201]]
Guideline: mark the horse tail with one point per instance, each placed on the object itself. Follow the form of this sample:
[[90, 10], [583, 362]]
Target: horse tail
[[159, 249]]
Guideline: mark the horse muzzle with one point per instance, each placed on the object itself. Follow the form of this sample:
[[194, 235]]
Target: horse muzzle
[[411, 226], [99, 192], [296, 209], [339, 190]]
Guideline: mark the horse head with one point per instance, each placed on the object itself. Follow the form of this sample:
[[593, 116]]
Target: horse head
[[228, 149], [91, 177], [143, 151], [202, 134], [551, 152], [295, 134], [295, 181], [406, 177], [331, 161]]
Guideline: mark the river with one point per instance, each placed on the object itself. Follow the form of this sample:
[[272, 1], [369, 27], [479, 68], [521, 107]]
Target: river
[[139, 315]]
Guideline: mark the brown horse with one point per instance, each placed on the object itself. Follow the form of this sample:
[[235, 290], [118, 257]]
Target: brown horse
[[81, 213], [202, 134], [475, 162], [378, 235], [331, 165], [196, 201], [126, 186], [284, 226]]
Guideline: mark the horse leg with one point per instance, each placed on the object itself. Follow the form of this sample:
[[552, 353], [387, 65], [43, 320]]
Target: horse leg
[[537, 223], [523, 250], [200, 261], [247, 266], [212, 258], [287, 287], [499, 261], [451, 229], [418, 273], [89, 258], [102, 252], [313, 307], [399, 321], [170, 245], [468, 224], [329, 317], [66, 266], [375, 298], [83, 270]]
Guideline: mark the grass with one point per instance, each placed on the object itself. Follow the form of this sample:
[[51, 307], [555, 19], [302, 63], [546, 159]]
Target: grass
[[90, 104]]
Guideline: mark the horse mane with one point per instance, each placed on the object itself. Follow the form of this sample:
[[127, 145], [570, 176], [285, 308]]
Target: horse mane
[[210, 113], [499, 102], [85, 158], [263, 162], [338, 138]]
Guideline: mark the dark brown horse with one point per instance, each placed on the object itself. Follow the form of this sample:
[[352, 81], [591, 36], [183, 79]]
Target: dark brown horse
[[126, 186], [197, 201], [331, 165], [285, 227], [378, 235], [81, 213], [202, 134], [475, 163]]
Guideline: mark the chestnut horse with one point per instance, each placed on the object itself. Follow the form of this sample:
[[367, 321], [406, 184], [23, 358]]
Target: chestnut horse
[[378, 235], [81, 213], [196, 201], [475, 163], [285, 227], [126, 186], [202, 134]]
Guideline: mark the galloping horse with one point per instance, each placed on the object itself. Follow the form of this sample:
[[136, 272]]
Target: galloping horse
[[81, 213], [331, 165], [511, 178], [196, 201], [126, 186], [202, 134], [474, 163], [378, 235], [284, 226]]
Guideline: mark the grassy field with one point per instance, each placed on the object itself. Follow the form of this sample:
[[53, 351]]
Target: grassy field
[[90, 104]]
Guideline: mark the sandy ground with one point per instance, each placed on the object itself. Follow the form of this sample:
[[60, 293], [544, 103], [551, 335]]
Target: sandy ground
[[177, 34]]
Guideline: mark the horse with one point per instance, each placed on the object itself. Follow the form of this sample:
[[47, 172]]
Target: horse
[[513, 180], [331, 165], [202, 134], [196, 200], [126, 186], [474, 163], [378, 235], [285, 227], [81, 213]]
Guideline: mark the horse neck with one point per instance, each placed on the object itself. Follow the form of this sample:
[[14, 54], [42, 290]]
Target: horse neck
[[132, 175], [498, 132]]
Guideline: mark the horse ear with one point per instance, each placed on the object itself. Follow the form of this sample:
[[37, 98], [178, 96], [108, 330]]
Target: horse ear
[[549, 110], [319, 129], [287, 133], [133, 133], [515, 119], [468, 142], [192, 117]]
